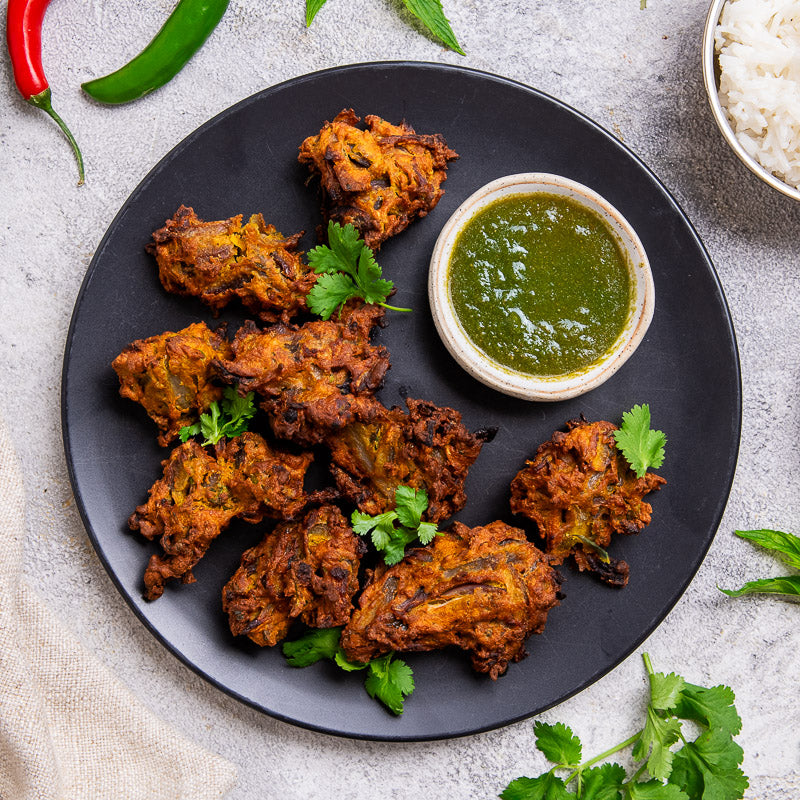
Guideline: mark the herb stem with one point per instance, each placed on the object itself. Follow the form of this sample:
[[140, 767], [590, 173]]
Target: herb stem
[[602, 757], [394, 308]]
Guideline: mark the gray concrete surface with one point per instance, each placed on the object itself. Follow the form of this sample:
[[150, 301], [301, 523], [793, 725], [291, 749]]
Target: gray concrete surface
[[637, 73]]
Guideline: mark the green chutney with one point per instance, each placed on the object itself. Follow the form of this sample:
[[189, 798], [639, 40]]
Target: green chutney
[[540, 284]]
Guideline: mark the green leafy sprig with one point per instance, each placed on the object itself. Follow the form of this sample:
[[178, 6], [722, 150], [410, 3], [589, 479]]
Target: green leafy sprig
[[706, 768], [641, 446], [787, 547], [231, 419], [393, 530], [346, 269], [429, 12], [389, 679]]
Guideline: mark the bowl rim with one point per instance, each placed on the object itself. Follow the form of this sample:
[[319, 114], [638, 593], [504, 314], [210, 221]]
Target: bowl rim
[[710, 63], [504, 379]]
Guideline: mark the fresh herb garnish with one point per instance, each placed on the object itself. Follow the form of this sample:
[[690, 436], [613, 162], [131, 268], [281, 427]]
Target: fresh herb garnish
[[389, 679], [787, 547], [701, 769], [393, 530], [230, 420], [346, 269], [429, 12], [641, 446]]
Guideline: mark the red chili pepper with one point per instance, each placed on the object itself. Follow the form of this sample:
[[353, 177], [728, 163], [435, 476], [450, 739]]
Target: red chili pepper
[[24, 37]]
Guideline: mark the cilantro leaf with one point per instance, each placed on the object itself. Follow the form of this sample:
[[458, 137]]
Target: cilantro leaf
[[426, 531], [346, 268], [189, 430], [708, 768], [312, 7], [603, 783], [312, 647], [229, 421], [431, 14], [665, 690], [657, 737], [558, 743], [545, 787], [410, 505], [654, 790], [786, 545], [395, 549], [344, 662], [711, 707], [389, 681], [641, 446], [789, 586]]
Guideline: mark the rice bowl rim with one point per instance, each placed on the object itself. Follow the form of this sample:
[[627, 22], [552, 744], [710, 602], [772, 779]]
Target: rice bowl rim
[[710, 78]]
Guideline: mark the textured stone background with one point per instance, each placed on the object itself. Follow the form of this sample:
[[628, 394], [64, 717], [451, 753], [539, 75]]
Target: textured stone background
[[637, 73]]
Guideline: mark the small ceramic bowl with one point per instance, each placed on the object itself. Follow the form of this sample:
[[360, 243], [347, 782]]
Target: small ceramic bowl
[[711, 73], [498, 376]]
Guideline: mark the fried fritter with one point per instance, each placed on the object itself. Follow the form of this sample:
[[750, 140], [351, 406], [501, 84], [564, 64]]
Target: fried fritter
[[428, 448], [482, 589], [379, 179], [311, 377], [305, 569], [579, 489], [202, 490], [171, 376], [217, 261]]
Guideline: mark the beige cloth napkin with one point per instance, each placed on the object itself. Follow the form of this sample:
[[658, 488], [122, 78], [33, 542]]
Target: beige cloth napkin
[[69, 730]]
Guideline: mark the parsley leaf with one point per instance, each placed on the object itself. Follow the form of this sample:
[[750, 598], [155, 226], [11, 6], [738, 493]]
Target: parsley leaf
[[229, 421], [346, 269], [558, 743], [391, 538], [389, 679], [641, 446]]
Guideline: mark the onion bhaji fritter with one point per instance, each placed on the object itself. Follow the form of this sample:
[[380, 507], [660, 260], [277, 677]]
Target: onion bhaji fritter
[[202, 490], [378, 179], [306, 569], [483, 589], [311, 378], [170, 375], [217, 261], [428, 448], [579, 489]]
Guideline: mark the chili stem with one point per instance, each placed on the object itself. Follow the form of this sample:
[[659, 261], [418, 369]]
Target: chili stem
[[43, 101]]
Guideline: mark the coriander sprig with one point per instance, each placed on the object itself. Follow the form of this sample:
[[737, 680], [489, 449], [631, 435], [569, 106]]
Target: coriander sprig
[[393, 530], [704, 768], [389, 679], [231, 419], [641, 446], [346, 269]]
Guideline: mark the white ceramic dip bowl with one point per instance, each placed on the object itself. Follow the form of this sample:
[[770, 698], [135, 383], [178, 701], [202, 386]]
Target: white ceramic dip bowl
[[507, 380]]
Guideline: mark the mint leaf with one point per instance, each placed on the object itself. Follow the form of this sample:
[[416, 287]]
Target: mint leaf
[[314, 646], [558, 743], [389, 681], [641, 446], [786, 545], [603, 783], [789, 586], [431, 14], [710, 707], [545, 787], [665, 690]]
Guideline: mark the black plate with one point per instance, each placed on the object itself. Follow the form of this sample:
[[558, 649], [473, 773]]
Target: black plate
[[687, 368]]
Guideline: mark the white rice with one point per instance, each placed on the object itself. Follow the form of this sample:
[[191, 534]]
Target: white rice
[[758, 42]]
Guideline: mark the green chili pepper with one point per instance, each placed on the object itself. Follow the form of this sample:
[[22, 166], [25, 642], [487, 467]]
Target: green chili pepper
[[189, 25]]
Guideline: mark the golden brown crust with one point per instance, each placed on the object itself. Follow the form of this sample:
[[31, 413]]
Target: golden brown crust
[[427, 448], [306, 570], [217, 261], [378, 179], [310, 377], [202, 490], [579, 485], [483, 589], [171, 374]]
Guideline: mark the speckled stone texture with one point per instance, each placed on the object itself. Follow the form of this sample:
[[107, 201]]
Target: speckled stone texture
[[637, 73]]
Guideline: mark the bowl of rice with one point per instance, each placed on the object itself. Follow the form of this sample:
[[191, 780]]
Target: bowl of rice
[[751, 69]]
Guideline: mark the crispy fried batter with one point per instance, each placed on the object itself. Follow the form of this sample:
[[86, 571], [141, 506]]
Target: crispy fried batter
[[311, 377], [305, 569], [217, 261], [482, 589], [428, 448], [171, 376], [201, 491], [379, 179], [579, 489]]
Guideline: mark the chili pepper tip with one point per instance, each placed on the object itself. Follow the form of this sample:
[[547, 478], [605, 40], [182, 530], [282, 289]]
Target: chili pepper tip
[[43, 101]]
